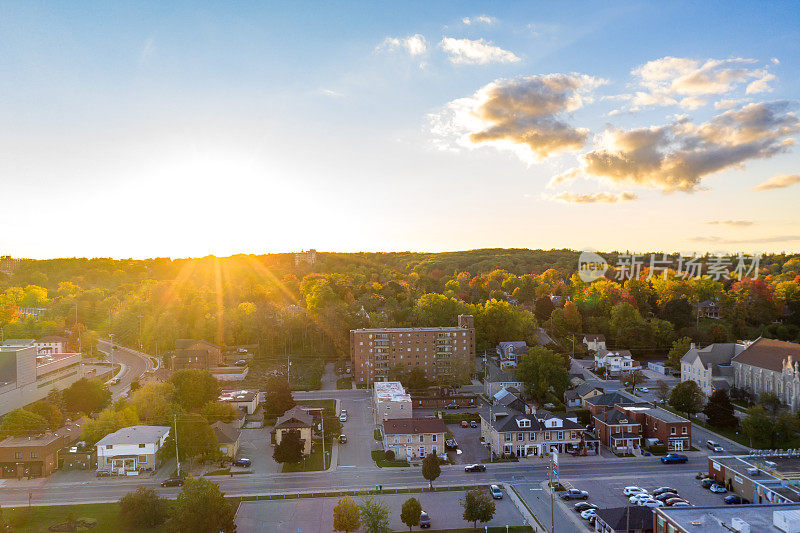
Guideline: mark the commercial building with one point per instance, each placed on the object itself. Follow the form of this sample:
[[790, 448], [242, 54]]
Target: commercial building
[[391, 401], [764, 476], [190, 353], [727, 519], [628, 425], [50, 345], [37, 455], [131, 450], [440, 352], [630, 519], [769, 365], [414, 438], [26, 377], [710, 367]]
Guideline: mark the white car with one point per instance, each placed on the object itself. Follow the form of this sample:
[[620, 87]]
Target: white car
[[588, 513], [630, 491], [649, 502], [644, 389], [343, 417], [640, 496]]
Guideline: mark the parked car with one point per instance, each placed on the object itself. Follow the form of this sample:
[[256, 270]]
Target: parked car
[[497, 493], [473, 424], [672, 458], [475, 468], [424, 520], [650, 503], [734, 499], [673, 501], [464, 424], [664, 496], [240, 362], [342, 438], [588, 513], [714, 446], [662, 490], [717, 488], [343, 416], [574, 494], [173, 482], [451, 406], [707, 482], [450, 444], [114, 381], [583, 506], [681, 504], [242, 462], [641, 496], [644, 389], [630, 491]]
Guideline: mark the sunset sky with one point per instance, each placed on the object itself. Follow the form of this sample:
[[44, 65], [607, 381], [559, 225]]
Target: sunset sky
[[215, 128]]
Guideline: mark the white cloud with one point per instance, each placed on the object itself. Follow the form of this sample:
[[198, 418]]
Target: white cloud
[[148, 49], [330, 92], [480, 52], [734, 223], [480, 19], [781, 181], [594, 198], [415, 45], [521, 114]]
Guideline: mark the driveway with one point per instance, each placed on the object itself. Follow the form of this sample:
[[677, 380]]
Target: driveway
[[472, 451], [357, 451], [315, 515], [255, 445]]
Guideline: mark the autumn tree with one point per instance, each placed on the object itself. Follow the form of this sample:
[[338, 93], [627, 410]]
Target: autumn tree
[[687, 398], [678, 350], [374, 516], [86, 396], [346, 515], [478, 506], [290, 448], [411, 512], [22, 423], [201, 507], [543, 371], [431, 468], [49, 412], [194, 388]]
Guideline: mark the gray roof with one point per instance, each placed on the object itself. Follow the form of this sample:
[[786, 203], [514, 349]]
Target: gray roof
[[508, 423], [18, 342], [135, 435], [585, 388], [225, 432], [543, 337], [717, 519], [713, 354], [615, 417], [634, 517], [611, 399], [294, 418]]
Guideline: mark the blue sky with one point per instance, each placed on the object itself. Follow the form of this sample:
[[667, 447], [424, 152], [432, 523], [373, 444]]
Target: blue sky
[[146, 130]]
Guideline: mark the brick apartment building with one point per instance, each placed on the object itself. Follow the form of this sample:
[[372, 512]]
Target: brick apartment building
[[441, 352], [37, 455], [629, 425]]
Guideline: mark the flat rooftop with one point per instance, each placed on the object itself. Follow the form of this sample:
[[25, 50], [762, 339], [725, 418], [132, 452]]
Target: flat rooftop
[[655, 412], [718, 519], [238, 395]]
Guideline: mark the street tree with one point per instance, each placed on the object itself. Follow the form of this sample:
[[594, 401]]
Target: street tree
[[478, 506], [543, 371], [767, 429], [86, 396], [720, 411], [411, 512], [109, 421], [194, 388], [49, 412], [662, 390], [687, 398], [202, 508], [346, 515], [431, 468], [22, 423], [153, 402], [278, 396], [290, 448], [143, 508], [374, 516]]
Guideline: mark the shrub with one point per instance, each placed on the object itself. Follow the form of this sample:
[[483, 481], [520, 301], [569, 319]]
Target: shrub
[[389, 455]]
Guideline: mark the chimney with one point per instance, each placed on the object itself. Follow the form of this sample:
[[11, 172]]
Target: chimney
[[691, 346]]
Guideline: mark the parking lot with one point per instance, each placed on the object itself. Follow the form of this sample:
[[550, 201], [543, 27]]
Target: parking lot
[[312, 515], [468, 439], [255, 445], [359, 430]]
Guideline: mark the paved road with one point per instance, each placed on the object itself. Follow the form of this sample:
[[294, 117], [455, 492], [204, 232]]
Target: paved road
[[136, 364], [44, 491]]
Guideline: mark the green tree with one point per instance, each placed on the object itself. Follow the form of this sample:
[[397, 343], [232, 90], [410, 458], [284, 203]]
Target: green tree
[[86, 396], [143, 508], [278, 396], [374, 516], [417, 379], [628, 326], [678, 350], [720, 411], [290, 449], [22, 423], [478, 506], [49, 412], [154, 403], [346, 515], [431, 469], [109, 421], [411, 512], [201, 508], [194, 388], [196, 438], [543, 307], [542, 370], [216, 411], [662, 390], [687, 398]]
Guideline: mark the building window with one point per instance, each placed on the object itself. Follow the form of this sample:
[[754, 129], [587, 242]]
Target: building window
[[520, 436], [109, 447], [34, 455], [433, 438], [141, 446], [508, 437], [532, 436], [142, 459], [547, 436], [560, 435], [422, 451], [108, 460], [683, 430], [672, 431], [17, 455]]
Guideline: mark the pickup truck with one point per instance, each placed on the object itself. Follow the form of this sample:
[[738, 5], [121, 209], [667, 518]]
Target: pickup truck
[[575, 494]]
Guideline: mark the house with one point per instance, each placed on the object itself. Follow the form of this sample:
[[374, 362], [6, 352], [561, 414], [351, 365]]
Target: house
[[511, 352], [50, 345], [391, 401], [38, 455], [614, 362], [708, 309], [244, 400], [509, 398], [618, 430], [576, 396], [496, 378], [131, 450], [630, 519], [510, 431], [671, 430], [227, 437], [594, 341], [710, 367], [769, 365], [190, 353], [296, 419], [414, 438], [606, 401]]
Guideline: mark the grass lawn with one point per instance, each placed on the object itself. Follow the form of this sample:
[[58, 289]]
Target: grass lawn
[[344, 383], [39, 518], [380, 459], [456, 418], [377, 434], [312, 462], [329, 406]]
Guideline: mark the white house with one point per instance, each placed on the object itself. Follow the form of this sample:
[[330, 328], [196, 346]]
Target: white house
[[131, 450], [710, 367], [391, 401], [614, 362], [51, 345], [594, 341]]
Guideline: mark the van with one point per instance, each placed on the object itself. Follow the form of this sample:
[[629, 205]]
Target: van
[[714, 446]]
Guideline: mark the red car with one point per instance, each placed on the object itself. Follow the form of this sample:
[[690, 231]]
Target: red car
[[464, 424], [173, 482]]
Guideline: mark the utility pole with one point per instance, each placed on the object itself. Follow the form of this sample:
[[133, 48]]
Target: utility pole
[[288, 367], [322, 418], [177, 457], [552, 502], [140, 333]]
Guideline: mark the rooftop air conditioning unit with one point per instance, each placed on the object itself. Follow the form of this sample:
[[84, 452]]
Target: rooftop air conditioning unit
[[737, 524], [787, 521]]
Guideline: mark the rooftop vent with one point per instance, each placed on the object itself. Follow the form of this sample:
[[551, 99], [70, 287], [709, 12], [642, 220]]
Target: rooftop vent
[[739, 525]]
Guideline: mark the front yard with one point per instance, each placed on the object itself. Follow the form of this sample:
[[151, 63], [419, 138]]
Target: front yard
[[379, 457]]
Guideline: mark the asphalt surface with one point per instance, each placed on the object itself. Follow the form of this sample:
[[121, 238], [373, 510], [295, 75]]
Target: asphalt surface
[[136, 364]]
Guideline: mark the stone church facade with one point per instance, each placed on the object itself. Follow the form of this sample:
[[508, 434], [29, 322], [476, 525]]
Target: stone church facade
[[769, 365]]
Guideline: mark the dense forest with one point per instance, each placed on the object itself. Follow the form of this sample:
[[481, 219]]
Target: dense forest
[[309, 308]]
